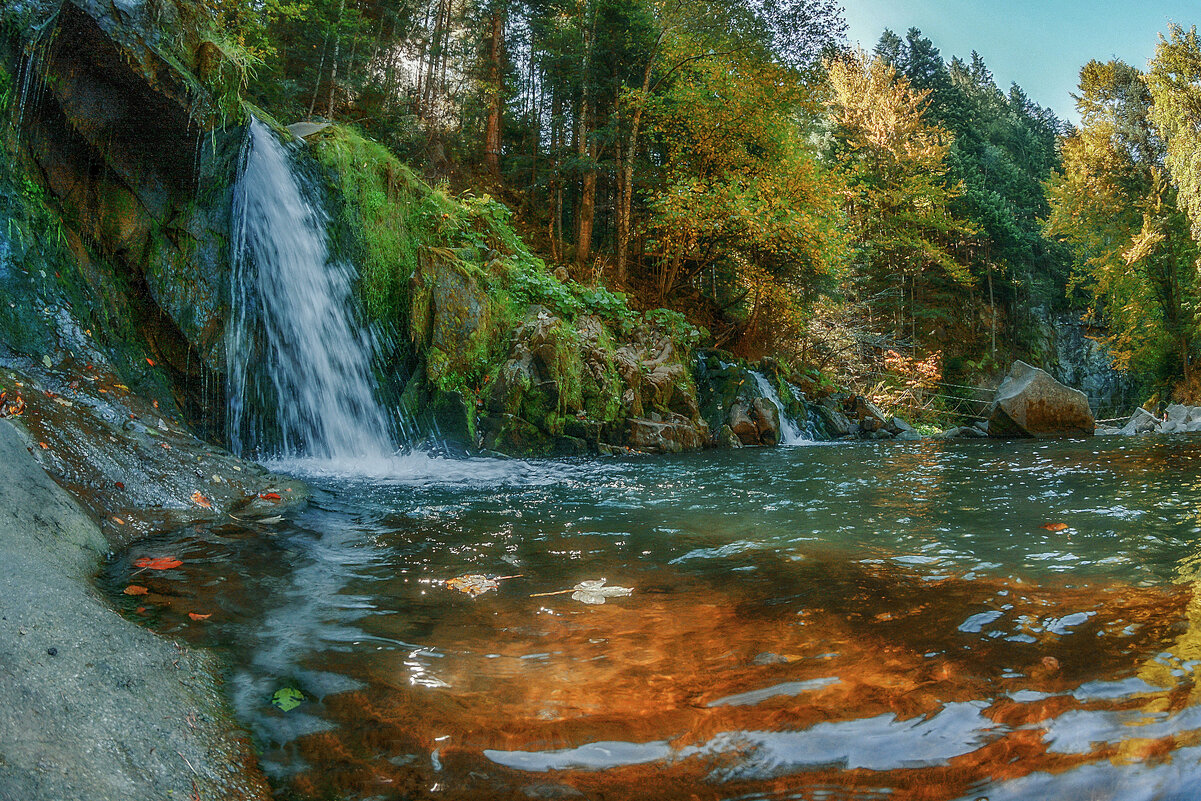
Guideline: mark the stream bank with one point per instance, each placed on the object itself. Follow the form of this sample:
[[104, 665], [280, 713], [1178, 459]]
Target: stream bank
[[95, 706]]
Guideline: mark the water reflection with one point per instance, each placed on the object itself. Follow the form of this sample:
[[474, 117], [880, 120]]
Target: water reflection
[[841, 623]]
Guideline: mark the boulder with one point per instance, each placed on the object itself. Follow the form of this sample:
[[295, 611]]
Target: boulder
[[1030, 403], [767, 421], [1141, 422], [836, 423], [726, 438], [743, 425], [672, 436]]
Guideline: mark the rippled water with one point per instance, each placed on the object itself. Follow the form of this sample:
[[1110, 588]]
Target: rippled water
[[880, 620]]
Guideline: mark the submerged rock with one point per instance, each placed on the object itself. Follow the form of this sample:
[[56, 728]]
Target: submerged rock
[[1030, 403]]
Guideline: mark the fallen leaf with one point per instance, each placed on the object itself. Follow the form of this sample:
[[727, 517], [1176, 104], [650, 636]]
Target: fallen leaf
[[141, 610], [158, 563], [164, 446], [1054, 526], [472, 585], [590, 592], [136, 589], [45, 447], [595, 592], [271, 521], [1050, 663], [200, 500], [150, 362], [118, 521], [270, 496], [287, 698], [119, 484], [196, 616]]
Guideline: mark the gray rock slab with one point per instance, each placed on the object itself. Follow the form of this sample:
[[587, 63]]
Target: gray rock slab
[[92, 706]]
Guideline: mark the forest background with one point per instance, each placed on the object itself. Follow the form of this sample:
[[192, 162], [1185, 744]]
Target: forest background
[[867, 214]]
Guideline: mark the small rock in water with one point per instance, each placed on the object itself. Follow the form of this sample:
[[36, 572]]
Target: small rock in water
[[52, 651]]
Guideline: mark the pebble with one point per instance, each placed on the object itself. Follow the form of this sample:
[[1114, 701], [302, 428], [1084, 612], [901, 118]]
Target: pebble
[[52, 651]]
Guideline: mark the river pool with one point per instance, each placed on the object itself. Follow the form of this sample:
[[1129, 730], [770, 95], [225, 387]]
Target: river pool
[[928, 620]]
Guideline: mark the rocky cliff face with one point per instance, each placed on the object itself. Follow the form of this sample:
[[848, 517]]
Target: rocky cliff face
[[126, 143], [1083, 363]]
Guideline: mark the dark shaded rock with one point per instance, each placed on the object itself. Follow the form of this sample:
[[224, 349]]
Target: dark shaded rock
[[835, 422], [726, 438], [1030, 403]]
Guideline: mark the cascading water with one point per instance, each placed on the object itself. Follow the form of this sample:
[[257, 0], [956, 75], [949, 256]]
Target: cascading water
[[791, 434], [299, 367]]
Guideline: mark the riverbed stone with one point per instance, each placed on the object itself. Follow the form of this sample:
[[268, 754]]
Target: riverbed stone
[[1030, 403]]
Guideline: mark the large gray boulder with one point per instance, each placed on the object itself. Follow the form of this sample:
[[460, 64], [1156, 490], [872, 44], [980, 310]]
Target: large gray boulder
[[1030, 403]]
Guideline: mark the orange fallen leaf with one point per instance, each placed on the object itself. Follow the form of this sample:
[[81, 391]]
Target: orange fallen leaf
[[270, 496], [136, 589], [120, 484], [118, 521], [150, 362], [45, 447], [1054, 526], [158, 562], [141, 610], [200, 500], [195, 616], [164, 446]]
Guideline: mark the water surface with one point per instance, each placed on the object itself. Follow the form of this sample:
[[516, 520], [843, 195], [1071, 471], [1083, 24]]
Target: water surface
[[878, 620]]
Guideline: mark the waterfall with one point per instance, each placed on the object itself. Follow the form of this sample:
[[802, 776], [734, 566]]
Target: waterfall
[[791, 434], [298, 365]]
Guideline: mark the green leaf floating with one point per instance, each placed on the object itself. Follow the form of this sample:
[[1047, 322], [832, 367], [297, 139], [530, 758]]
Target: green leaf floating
[[287, 698]]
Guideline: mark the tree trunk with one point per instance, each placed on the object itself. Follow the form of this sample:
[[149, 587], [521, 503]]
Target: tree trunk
[[586, 148], [333, 73], [625, 172], [492, 134]]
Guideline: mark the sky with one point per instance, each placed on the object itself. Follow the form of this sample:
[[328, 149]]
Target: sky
[[1039, 44]]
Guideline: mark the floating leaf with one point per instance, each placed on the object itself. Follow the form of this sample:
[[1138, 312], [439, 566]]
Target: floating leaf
[[196, 616], [287, 698], [472, 585], [270, 496], [119, 484], [200, 500], [589, 592], [1054, 526], [158, 563], [150, 362], [271, 521], [136, 589], [595, 592], [45, 447], [118, 521]]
